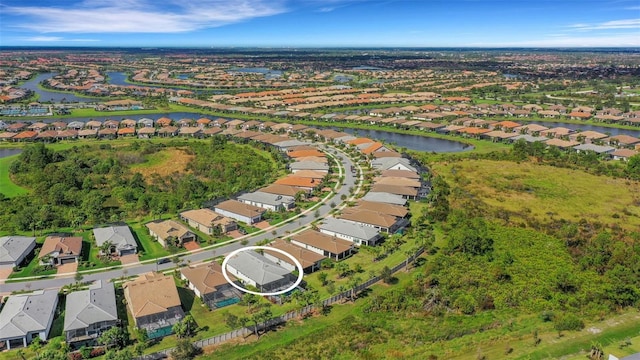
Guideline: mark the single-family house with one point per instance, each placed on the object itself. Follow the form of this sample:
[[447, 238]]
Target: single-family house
[[323, 244], [406, 192], [206, 220], [622, 140], [208, 283], [598, 149], [58, 250], [258, 271], [390, 209], [119, 236], [88, 313], [239, 211], [393, 164], [25, 317], [385, 197], [154, 304], [357, 233], [375, 219], [301, 182], [398, 181], [14, 249], [400, 173], [623, 154], [309, 165], [562, 144], [287, 190], [587, 136], [170, 232], [268, 201], [309, 260]]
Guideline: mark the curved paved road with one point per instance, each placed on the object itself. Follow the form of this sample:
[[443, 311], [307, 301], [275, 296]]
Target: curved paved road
[[207, 253]]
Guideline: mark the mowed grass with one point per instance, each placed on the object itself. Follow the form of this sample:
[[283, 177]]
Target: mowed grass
[[7, 187], [546, 192]]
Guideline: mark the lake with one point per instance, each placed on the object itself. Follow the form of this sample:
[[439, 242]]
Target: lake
[[56, 97], [9, 152], [413, 142]]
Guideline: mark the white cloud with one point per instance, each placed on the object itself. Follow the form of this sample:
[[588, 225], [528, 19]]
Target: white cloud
[[141, 16], [608, 25], [54, 39], [42, 38]]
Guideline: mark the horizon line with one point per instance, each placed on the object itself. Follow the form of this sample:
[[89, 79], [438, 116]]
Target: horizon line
[[315, 47]]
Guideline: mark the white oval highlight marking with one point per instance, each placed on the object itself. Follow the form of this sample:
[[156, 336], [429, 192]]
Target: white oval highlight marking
[[295, 261]]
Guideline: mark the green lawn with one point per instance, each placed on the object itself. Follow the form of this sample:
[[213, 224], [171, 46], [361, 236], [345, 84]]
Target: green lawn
[[151, 248], [91, 255], [7, 187]]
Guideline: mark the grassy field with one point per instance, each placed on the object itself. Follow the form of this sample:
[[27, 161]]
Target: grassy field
[[495, 333], [546, 192], [7, 187], [163, 163]]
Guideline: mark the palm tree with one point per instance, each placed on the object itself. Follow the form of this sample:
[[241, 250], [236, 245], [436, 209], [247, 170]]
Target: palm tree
[[105, 248]]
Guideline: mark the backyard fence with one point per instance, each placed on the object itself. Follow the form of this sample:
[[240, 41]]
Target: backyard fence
[[219, 339]]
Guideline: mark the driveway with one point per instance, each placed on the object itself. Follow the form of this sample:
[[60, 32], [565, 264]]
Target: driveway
[[69, 268], [129, 259], [191, 245], [5, 271], [262, 225], [235, 234]]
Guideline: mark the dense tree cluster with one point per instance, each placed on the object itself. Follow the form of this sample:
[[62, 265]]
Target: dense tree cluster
[[95, 184]]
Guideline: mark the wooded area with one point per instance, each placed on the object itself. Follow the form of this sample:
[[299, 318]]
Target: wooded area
[[93, 184]]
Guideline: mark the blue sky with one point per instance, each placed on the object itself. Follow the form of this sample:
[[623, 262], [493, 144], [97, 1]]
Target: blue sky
[[320, 23]]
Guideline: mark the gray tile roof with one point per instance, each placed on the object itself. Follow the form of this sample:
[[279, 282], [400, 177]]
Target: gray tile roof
[[120, 236], [257, 267], [388, 163], [528, 138], [308, 165], [384, 197], [349, 228], [13, 248], [596, 148], [291, 143], [27, 313], [266, 198], [87, 307]]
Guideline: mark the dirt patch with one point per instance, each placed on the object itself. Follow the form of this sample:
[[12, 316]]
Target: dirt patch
[[191, 245], [173, 161], [129, 259], [594, 330], [69, 268]]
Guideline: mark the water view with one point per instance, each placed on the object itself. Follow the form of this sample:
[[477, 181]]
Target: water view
[[46, 95]]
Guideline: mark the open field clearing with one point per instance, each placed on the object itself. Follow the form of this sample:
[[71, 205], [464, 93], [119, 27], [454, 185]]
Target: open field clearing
[[546, 192], [164, 163]]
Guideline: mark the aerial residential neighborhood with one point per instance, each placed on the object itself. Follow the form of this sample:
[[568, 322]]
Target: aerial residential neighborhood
[[319, 180]]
